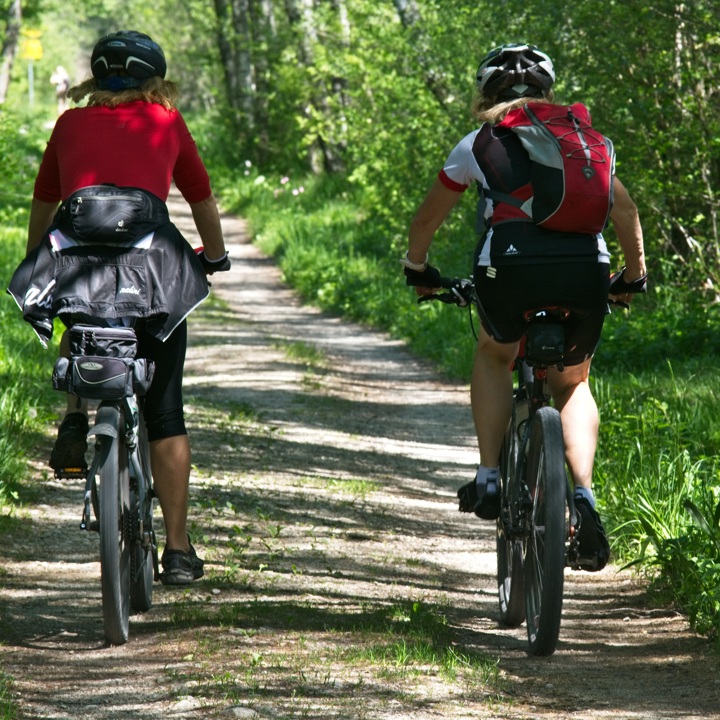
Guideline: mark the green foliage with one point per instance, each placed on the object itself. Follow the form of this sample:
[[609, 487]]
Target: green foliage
[[657, 476], [20, 148], [8, 709], [655, 92], [25, 401]]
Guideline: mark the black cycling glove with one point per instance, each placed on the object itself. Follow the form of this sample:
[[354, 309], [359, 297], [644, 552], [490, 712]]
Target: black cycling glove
[[212, 266], [619, 286], [429, 277]]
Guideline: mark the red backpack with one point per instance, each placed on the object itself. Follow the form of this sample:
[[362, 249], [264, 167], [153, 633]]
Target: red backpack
[[571, 167]]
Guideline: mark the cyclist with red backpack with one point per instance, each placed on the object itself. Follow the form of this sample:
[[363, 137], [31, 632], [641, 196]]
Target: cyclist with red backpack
[[540, 216]]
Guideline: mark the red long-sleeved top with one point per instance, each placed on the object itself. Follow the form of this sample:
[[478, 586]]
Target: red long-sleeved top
[[136, 144]]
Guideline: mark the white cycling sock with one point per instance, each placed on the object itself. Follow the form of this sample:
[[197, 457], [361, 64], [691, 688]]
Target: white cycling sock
[[487, 479], [587, 493]]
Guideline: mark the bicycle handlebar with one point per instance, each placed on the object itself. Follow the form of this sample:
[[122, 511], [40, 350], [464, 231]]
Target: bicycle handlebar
[[461, 292]]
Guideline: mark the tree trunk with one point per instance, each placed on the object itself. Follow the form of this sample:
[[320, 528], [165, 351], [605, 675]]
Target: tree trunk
[[339, 84], [234, 42], [227, 51], [9, 47], [243, 45], [264, 35], [325, 154]]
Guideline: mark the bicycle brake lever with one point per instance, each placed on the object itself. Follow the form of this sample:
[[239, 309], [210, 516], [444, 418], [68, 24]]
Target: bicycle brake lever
[[618, 303], [461, 300]]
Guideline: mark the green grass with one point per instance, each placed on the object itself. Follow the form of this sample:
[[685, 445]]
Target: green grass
[[8, 709], [305, 353], [658, 477], [413, 639], [301, 648], [26, 395]]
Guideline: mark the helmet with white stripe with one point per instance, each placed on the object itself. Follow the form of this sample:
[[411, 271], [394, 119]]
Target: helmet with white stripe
[[125, 59], [513, 71]]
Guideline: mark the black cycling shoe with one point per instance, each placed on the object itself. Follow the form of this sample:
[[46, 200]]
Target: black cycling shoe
[[180, 567], [486, 508], [68, 453], [594, 549]]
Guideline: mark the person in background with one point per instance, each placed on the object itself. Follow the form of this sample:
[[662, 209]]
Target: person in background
[[130, 134], [61, 80], [519, 266]]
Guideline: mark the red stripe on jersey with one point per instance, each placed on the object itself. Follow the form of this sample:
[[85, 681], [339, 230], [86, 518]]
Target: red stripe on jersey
[[451, 184]]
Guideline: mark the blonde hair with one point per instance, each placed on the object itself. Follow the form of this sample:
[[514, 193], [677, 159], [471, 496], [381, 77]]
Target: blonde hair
[[489, 110], [153, 90]]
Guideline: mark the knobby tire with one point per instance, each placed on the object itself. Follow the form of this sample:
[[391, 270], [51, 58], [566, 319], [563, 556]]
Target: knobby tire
[[142, 567], [509, 549], [114, 538], [545, 554]]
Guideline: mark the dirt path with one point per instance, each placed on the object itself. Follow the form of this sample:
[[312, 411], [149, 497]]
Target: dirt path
[[326, 461]]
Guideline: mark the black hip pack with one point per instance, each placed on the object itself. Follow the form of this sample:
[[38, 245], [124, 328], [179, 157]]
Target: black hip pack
[[108, 214]]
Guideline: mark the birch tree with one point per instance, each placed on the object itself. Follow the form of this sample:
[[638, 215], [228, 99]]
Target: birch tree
[[264, 37], [234, 42], [10, 45]]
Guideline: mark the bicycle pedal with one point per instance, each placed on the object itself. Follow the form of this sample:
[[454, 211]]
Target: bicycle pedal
[[71, 473]]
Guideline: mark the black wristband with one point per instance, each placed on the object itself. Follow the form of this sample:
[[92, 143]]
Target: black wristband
[[212, 266]]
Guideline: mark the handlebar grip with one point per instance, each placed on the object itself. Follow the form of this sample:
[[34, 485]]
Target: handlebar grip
[[461, 292]]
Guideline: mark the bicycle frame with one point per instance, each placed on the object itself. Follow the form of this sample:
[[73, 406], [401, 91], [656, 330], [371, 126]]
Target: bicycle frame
[[529, 395], [110, 421]]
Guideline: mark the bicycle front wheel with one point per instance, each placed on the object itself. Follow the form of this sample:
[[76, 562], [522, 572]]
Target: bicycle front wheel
[[114, 538], [509, 547], [545, 555]]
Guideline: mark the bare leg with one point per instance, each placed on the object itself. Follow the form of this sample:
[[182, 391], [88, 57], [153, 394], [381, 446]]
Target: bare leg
[[580, 421], [490, 395], [170, 458], [578, 411]]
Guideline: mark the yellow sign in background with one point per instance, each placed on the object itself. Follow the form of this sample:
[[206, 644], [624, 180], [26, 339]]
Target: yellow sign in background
[[30, 45]]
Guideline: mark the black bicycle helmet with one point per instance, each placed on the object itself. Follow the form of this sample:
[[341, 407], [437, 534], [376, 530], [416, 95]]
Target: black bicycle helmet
[[125, 59], [514, 71]]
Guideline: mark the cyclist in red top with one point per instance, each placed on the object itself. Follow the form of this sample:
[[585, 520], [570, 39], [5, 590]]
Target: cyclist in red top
[[131, 135], [520, 266]]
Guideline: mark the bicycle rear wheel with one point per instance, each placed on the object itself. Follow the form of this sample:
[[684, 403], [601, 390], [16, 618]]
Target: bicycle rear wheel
[[143, 548], [509, 549], [545, 555], [143, 575], [114, 537]]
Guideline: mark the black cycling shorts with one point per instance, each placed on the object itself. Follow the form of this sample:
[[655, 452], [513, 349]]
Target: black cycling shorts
[[506, 293], [163, 405]]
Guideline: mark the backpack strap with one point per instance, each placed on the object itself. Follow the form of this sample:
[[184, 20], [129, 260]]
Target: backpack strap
[[504, 197]]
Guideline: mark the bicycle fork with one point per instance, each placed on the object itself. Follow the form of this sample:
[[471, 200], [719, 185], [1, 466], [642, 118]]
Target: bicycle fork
[[107, 424]]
